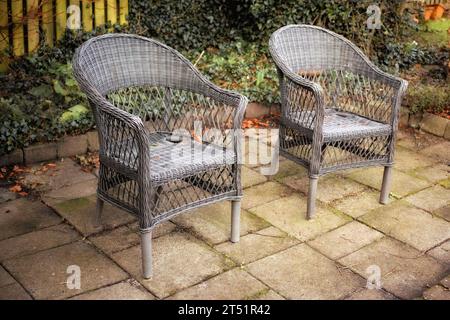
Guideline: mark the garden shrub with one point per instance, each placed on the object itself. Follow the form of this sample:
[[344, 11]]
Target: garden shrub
[[40, 101], [242, 67], [36, 110], [193, 25], [428, 97]]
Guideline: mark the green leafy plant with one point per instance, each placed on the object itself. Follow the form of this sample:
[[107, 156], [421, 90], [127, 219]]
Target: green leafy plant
[[431, 98], [242, 67], [43, 110]]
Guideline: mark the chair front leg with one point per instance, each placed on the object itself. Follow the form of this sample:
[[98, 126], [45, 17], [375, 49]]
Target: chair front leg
[[386, 186], [235, 220], [146, 247], [312, 192]]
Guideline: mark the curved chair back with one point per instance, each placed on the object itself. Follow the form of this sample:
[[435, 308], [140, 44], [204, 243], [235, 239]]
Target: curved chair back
[[308, 48], [113, 61]]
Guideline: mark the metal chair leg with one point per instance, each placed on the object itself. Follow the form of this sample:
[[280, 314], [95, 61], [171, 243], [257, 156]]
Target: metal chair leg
[[386, 186], [235, 220], [146, 247], [311, 205], [98, 213]]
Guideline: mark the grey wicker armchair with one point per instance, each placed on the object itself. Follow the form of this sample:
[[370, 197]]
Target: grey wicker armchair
[[169, 138], [339, 111]]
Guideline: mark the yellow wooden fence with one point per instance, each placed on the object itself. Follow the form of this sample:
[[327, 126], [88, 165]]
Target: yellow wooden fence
[[23, 22]]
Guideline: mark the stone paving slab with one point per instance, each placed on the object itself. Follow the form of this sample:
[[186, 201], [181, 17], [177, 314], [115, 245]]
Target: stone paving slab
[[268, 295], [405, 272], [272, 264], [409, 224], [433, 173], [127, 290], [264, 193], [65, 173], [116, 240], [430, 199], [213, 223], [302, 273], [402, 183], [288, 168], [251, 177], [289, 215], [416, 140], [437, 293], [125, 237], [371, 294], [446, 282], [235, 284], [81, 214], [5, 278], [358, 205], [74, 191], [345, 240], [45, 276], [14, 292], [406, 160], [443, 212], [330, 187], [179, 261], [438, 151], [37, 241], [441, 252], [22, 215], [160, 230], [257, 245], [6, 195]]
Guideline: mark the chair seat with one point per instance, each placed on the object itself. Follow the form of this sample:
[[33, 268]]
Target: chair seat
[[176, 160], [339, 125]]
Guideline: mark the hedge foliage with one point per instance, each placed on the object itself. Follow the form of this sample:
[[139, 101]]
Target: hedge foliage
[[193, 25], [40, 101]]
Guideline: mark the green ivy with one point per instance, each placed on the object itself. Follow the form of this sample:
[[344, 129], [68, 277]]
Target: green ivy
[[40, 100], [242, 67], [34, 111]]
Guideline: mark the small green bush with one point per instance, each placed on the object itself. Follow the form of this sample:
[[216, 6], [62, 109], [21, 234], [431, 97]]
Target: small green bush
[[426, 97], [241, 67], [34, 110]]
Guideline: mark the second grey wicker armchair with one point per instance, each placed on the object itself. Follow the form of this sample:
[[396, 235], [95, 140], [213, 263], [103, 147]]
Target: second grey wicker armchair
[[339, 111], [169, 138]]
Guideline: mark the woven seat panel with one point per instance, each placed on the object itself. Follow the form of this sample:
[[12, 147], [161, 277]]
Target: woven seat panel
[[170, 160], [340, 154], [173, 196], [344, 125]]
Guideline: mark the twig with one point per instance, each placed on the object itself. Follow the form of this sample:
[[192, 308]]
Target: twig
[[199, 57]]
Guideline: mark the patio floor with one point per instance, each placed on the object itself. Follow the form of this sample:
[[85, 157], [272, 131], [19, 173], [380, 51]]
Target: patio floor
[[280, 255]]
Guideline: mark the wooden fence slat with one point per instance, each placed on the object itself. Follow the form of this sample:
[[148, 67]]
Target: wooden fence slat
[[60, 18], [93, 12], [99, 12], [18, 35], [4, 38], [112, 11], [47, 21], [33, 24], [123, 11], [87, 15]]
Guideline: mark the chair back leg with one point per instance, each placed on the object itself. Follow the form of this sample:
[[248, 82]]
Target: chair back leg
[[311, 205], [146, 247], [235, 220], [386, 186]]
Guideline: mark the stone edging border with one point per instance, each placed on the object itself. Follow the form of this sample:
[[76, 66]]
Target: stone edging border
[[73, 145], [427, 122], [66, 147]]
